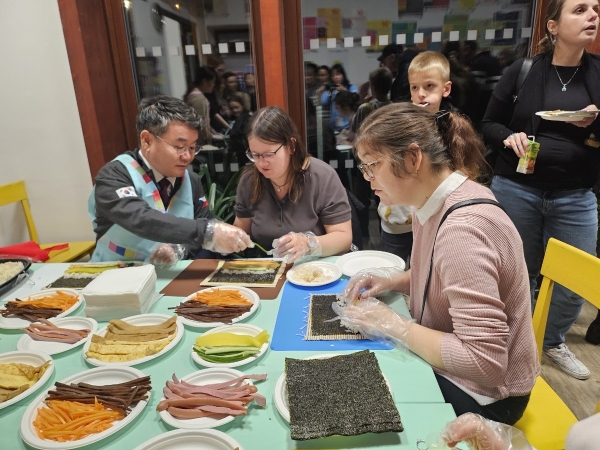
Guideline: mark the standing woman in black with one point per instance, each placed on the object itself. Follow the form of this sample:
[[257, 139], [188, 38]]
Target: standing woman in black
[[557, 199]]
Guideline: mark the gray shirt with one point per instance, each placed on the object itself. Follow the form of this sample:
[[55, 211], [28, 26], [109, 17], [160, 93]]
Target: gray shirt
[[136, 216], [323, 201]]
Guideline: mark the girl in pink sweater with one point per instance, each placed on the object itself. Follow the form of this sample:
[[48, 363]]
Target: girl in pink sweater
[[473, 321]]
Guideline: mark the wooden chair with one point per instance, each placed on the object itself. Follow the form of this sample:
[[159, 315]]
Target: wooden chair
[[547, 419], [16, 192]]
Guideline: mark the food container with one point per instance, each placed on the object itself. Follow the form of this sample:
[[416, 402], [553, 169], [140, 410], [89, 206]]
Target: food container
[[527, 163]]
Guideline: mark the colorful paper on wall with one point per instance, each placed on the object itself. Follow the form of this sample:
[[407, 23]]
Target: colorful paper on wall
[[333, 22], [376, 28], [456, 22], [408, 28]]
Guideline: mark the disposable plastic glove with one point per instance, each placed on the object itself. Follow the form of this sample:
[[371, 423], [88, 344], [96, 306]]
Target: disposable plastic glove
[[371, 282], [481, 434], [375, 320], [165, 255], [223, 238], [293, 246]]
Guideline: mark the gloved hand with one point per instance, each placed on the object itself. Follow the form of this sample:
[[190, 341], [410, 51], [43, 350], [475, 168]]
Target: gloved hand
[[482, 434], [223, 238], [373, 282], [293, 246], [375, 320], [165, 255]]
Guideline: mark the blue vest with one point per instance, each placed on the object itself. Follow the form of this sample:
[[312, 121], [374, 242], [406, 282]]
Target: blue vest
[[118, 244]]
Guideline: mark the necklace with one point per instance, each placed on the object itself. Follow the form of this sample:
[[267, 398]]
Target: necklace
[[564, 88], [277, 186]]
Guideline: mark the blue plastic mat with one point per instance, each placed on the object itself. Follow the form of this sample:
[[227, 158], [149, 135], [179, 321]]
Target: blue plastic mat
[[288, 333]]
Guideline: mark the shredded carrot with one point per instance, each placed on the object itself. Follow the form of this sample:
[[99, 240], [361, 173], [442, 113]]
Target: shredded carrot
[[224, 297], [66, 421], [60, 299]]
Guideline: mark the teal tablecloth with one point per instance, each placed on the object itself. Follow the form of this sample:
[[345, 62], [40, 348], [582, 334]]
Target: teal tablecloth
[[416, 393]]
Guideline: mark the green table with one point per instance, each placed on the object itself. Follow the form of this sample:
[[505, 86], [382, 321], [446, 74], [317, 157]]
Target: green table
[[416, 393]]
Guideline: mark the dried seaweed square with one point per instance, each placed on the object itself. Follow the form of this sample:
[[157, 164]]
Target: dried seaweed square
[[256, 273], [318, 329], [344, 395]]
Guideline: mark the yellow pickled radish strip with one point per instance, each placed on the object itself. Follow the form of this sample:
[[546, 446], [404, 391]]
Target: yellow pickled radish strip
[[232, 340]]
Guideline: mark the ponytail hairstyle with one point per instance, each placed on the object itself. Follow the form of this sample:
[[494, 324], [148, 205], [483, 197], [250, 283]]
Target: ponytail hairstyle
[[446, 138], [347, 99], [546, 45], [275, 126]]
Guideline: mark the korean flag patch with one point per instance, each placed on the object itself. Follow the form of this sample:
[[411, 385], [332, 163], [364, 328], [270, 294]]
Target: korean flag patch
[[128, 191]]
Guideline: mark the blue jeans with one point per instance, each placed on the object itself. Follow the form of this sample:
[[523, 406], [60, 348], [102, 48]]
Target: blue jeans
[[569, 216]]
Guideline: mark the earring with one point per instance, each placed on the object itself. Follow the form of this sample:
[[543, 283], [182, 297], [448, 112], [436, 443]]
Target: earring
[[553, 40]]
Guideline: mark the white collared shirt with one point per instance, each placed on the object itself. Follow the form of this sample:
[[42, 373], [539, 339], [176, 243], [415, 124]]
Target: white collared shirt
[[439, 196], [157, 175]]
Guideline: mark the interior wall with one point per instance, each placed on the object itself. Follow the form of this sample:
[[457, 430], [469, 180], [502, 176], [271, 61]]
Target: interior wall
[[42, 140]]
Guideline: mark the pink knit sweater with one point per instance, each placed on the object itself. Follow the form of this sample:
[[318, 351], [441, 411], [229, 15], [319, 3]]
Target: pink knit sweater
[[478, 295]]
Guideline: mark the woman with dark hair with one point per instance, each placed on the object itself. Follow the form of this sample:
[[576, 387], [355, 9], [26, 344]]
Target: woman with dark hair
[[195, 96], [340, 83], [467, 282], [556, 200], [323, 75], [238, 143], [286, 199], [232, 88]]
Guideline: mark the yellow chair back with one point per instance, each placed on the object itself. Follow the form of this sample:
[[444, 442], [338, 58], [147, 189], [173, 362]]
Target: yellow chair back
[[16, 192], [547, 419]]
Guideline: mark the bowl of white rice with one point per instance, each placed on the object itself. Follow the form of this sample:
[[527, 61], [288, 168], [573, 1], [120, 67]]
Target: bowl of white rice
[[314, 273], [10, 269]]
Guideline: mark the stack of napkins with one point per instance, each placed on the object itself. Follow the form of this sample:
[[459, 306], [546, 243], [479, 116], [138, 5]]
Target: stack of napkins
[[115, 294]]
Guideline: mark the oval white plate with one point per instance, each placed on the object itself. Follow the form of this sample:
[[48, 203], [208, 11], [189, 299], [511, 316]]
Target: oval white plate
[[238, 328], [54, 348], [15, 323], [248, 293], [332, 271], [141, 319], [33, 359], [353, 262], [98, 376], [191, 440], [280, 394], [205, 376], [566, 116]]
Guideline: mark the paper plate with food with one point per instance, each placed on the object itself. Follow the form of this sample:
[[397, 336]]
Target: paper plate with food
[[85, 408], [314, 274], [209, 398], [21, 374], [54, 336], [215, 307], [191, 440], [20, 312], [12, 270], [230, 346], [567, 116], [133, 340]]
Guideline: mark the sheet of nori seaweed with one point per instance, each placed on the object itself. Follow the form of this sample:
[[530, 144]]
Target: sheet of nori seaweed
[[73, 283], [320, 311], [344, 395], [244, 278]]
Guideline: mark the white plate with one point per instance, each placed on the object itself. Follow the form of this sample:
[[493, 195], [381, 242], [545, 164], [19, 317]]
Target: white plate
[[54, 348], [99, 376], [14, 323], [331, 270], [141, 319], [191, 440], [566, 116], [343, 147], [204, 376], [238, 328], [353, 262], [249, 294], [281, 394], [33, 359]]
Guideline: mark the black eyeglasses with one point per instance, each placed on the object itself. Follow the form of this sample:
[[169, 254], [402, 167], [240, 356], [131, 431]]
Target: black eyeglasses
[[267, 156], [181, 149]]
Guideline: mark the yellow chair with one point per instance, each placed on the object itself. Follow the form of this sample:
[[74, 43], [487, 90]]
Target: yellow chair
[[16, 192], [547, 419]]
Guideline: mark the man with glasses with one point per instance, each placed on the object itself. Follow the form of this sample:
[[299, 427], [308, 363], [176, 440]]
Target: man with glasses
[[150, 196]]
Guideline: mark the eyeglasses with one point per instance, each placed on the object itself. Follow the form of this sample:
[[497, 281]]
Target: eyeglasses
[[367, 169], [181, 149], [267, 156]]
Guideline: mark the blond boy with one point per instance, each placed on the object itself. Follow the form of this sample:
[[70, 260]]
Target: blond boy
[[429, 79]]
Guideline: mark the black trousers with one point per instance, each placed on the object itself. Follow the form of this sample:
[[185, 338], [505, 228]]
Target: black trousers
[[508, 410]]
